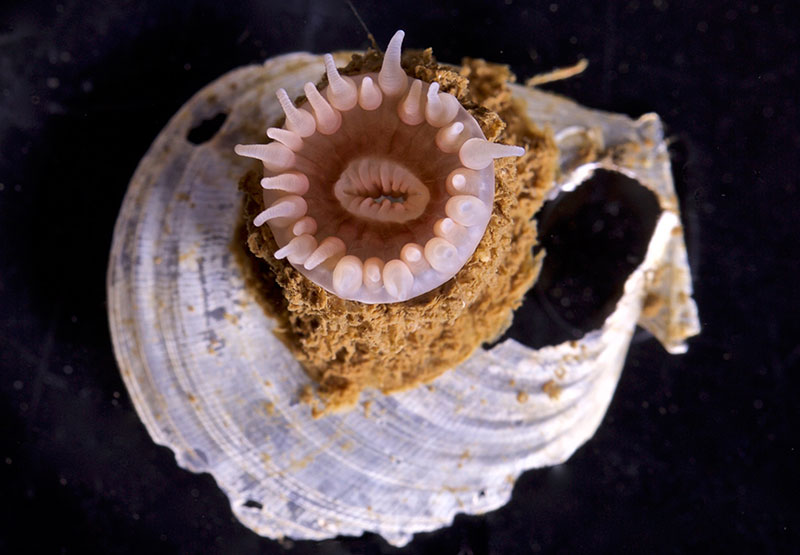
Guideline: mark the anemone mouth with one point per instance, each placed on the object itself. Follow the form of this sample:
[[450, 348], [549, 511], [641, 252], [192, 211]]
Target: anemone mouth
[[381, 190], [379, 187]]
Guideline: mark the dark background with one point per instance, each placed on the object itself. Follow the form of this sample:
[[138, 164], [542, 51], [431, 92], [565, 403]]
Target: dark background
[[696, 452]]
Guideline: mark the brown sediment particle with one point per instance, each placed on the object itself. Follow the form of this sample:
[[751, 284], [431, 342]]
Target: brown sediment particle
[[232, 318], [652, 305], [522, 396], [346, 346], [552, 389], [307, 394]]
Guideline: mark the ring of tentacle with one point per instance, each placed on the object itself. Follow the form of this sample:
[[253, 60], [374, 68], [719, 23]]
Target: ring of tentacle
[[379, 187]]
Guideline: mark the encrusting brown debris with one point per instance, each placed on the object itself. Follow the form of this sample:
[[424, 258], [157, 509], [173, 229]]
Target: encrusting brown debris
[[346, 346]]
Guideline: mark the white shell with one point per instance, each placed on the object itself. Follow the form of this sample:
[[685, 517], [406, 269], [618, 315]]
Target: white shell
[[211, 381]]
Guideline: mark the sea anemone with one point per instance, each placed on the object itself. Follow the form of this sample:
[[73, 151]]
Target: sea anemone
[[410, 222]]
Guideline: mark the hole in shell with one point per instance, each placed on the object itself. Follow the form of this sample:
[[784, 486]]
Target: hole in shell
[[594, 237], [206, 129]]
